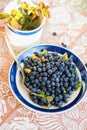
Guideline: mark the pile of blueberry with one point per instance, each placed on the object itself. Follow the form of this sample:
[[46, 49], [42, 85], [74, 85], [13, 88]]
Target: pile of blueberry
[[53, 76]]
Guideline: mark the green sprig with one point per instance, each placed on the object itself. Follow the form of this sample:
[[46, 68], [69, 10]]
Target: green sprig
[[4, 15], [44, 52], [43, 95]]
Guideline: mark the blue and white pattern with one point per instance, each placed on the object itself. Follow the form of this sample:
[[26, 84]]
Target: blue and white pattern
[[61, 50]]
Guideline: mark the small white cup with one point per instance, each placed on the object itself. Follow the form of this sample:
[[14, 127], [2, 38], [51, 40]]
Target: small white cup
[[21, 40]]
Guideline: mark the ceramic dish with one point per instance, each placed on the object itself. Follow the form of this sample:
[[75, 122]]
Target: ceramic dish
[[23, 95]]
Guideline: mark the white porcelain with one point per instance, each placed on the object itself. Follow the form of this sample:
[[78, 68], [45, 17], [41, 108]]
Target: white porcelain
[[21, 40], [20, 92]]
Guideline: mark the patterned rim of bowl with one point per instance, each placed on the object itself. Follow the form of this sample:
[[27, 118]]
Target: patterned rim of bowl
[[51, 47]]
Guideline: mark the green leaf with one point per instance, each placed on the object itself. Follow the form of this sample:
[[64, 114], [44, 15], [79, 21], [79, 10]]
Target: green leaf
[[75, 70], [79, 84], [64, 91], [4, 15], [44, 52], [18, 15], [22, 20], [49, 99], [42, 94]]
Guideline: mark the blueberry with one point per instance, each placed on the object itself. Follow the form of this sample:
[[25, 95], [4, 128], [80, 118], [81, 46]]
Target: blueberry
[[48, 93], [44, 78], [50, 55], [35, 85], [53, 91], [54, 75], [45, 55], [61, 83], [48, 82], [34, 90], [76, 76], [53, 83], [57, 80], [44, 89], [41, 103], [66, 84], [64, 45], [60, 96], [55, 53], [26, 79], [69, 75], [40, 64], [44, 69], [48, 66], [61, 68], [57, 98], [34, 73], [66, 79], [26, 84], [75, 87], [54, 34], [50, 58], [32, 77], [30, 87], [53, 95], [58, 84], [43, 83], [39, 69], [56, 103], [70, 92], [60, 73], [53, 69], [52, 103], [45, 74], [52, 64], [72, 83], [69, 89], [52, 79], [76, 83], [35, 68], [60, 104], [44, 100], [57, 63], [66, 96], [35, 101], [65, 100], [49, 88], [62, 88], [49, 71], [38, 91], [40, 79], [36, 81], [58, 90], [33, 97]]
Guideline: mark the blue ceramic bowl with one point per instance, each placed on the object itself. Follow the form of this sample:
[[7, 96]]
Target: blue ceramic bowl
[[23, 96]]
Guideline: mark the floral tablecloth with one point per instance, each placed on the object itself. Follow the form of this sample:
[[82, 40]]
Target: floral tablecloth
[[68, 24]]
